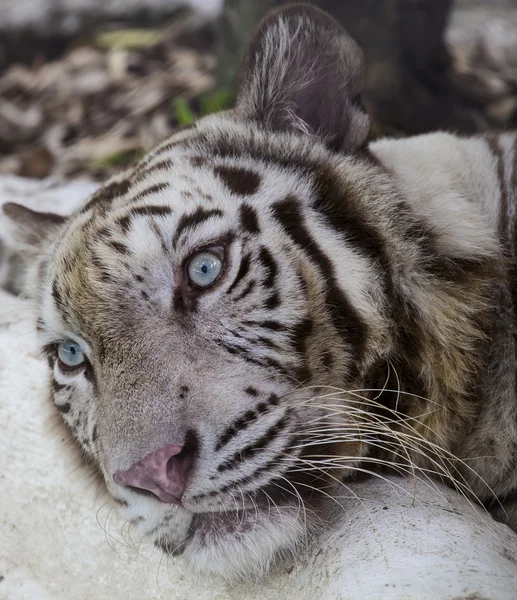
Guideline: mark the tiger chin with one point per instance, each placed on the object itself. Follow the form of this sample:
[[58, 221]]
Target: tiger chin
[[266, 305]]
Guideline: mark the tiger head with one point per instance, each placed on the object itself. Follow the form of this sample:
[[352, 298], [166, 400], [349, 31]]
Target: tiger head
[[202, 310]]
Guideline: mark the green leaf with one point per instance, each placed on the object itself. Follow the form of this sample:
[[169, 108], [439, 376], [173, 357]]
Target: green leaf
[[120, 158], [215, 101], [182, 111]]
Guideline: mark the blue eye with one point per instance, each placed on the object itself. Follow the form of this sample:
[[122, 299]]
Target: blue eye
[[70, 354], [204, 268]]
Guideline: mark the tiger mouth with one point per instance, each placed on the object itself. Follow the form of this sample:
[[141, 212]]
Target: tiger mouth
[[214, 532], [245, 542]]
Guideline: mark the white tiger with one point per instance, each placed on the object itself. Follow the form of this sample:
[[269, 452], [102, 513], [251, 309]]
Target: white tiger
[[267, 305]]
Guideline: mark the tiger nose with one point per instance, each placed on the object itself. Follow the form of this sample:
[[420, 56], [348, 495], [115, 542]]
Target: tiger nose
[[164, 473]]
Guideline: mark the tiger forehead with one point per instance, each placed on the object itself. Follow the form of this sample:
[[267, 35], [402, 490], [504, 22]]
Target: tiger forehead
[[177, 183], [207, 163], [187, 188], [125, 239], [217, 175]]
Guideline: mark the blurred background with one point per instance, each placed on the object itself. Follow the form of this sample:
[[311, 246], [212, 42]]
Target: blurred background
[[87, 86]]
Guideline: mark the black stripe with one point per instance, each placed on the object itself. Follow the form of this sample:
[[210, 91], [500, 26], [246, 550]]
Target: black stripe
[[105, 275], [233, 349], [119, 247], [58, 387], [158, 234], [266, 342], [265, 362], [270, 267], [239, 180], [247, 290], [102, 198], [153, 189], [63, 408], [274, 462], [345, 319], [151, 211], [262, 341], [89, 375], [198, 161], [241, 273], [340, 210], [272, 325], [251, 450], [193, 219], [239, 424], [124, 223], [299, 337], [183, 303], [272, 302], [56, 294], [142, 172], [274, 364], [249, 219]]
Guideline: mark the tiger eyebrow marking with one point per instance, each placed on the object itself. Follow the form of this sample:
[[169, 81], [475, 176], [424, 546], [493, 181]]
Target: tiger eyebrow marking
[[248, 219], [193, 219], [153, 210], [152, 189], [103, 197], [239, 180], [142, 172]]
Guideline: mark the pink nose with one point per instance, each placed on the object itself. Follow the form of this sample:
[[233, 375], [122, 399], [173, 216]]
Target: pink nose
[[164, 472]]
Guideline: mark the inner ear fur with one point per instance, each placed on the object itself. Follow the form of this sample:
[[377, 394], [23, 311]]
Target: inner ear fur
[[303, 72]]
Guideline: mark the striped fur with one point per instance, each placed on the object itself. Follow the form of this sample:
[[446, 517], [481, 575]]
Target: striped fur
[[365, 313]]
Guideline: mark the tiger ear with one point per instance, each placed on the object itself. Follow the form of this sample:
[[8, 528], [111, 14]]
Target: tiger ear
[[26, 230], [24, 234], [302, 72]]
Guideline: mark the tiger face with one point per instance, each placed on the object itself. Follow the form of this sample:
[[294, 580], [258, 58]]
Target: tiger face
[[199, 310]]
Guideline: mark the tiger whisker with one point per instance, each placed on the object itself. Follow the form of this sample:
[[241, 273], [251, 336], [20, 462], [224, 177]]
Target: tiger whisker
[[435, 447]]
